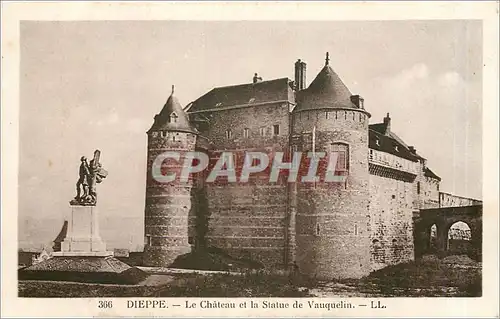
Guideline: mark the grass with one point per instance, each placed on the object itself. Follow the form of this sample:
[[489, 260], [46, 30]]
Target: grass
[[250, 284], [425, 278], [432, 278], [213, 259], [60, 289]]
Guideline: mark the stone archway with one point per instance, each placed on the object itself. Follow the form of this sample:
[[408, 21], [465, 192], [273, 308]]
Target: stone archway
[[433, 238], [459, 238], [444, 219]]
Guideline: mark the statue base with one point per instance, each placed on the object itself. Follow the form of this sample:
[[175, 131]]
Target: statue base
[[83, 238]]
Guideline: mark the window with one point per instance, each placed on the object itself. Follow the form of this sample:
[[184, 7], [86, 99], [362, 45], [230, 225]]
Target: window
[[147, 240], [173, 118], [276, 129], [218, 104], [371, 154], [342, 151], [396, 148], [326, 115], [418, 187], [262, 131], [377, 141], [246, 133], [229, 134], [318, 230], [163, 133], [355, 229], [251, 100]]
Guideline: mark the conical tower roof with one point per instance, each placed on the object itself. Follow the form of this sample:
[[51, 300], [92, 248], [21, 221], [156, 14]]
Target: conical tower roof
[[172, 117], [326, 91]]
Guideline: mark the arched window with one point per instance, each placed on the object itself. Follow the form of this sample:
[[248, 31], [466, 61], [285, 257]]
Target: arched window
[[342, 151]]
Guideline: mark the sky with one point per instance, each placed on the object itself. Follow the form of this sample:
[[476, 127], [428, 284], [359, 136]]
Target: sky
[[98, 84]]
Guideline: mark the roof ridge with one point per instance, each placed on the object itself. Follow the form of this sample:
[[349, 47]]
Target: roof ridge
[[259, 92], [243, 84]]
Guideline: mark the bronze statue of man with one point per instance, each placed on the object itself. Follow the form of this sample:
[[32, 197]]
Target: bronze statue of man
[[83, 180], [90, 175]]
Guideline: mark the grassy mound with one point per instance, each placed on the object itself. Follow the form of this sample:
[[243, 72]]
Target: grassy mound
[[213, 259], [425, 274], [106, 270]]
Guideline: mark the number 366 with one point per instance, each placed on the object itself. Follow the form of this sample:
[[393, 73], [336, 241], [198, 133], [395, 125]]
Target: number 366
[[105, 304]]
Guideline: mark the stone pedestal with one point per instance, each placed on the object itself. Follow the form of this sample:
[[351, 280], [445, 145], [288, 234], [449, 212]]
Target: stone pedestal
[[83, 238]]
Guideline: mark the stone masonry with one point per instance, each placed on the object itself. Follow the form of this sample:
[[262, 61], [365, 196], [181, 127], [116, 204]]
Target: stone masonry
[[345, 231]]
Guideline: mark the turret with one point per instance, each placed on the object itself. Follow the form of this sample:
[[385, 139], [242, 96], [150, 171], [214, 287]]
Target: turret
[[168, 204], [332, 239]]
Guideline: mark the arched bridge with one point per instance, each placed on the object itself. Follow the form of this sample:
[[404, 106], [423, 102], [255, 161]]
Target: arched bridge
[[429, 239]]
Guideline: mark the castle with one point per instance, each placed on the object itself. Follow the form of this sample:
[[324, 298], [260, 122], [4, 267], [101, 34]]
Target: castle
[[327, 234]]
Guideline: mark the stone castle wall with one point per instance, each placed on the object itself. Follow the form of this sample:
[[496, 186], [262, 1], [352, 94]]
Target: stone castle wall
[[391, 225], [344, 231], [332, 236], [249, 220], [449, 200], [430, 192], [168, 205]]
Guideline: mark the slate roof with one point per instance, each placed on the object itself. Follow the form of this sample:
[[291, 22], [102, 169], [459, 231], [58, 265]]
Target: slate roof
[[162, 120], [245, 94], [326, 91], [388, 143], [431, 174]]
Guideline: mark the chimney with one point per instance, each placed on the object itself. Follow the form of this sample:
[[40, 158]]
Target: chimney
[[387, 123], [412, 149], [256, 78], [358, 101], [300, 75]]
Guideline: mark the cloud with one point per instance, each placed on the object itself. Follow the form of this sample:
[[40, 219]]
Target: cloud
[[137, 125], [417, 73], [111, 119], [450, 79], [429, 109]]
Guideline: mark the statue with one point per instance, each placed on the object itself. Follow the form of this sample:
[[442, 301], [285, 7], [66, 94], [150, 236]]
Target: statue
[[90, 175]]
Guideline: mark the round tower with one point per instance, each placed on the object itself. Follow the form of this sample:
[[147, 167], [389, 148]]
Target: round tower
[[332, 239], [168, 204]]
